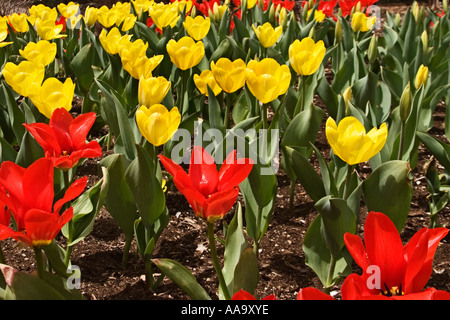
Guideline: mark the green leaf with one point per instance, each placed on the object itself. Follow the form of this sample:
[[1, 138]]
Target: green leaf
[[81, 65], [388, 190], [182, 277], [438, 148], [246, 274]]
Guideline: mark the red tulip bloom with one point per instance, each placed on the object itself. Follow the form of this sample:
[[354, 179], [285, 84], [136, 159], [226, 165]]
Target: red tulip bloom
[[390, 270], [28, 194], [327, 7], [211, 194], [64, 138], [244, 295], [206, 6], [61, 20]]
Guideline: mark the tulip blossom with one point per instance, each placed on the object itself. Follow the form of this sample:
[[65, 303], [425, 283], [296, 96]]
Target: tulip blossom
[[268, 35], [152, 90], [21, 77], [51, 95], [106, 17], [135, 61], [90, 16], [3, 36], [244, 295], [391, 270], [164, 15], [205, 79], [128, 22], [42, 52], [28, 194], [319, 16], [229, 75], [19, 22], [64, 138], [186, 52], [113, 40], [351, 143], [48, 29], [198, 27], [267, 79], [210, 193], [306, 56], [205, 7], [421, 77], [360, 22], [157, 124], [42, 12], [68, 10]]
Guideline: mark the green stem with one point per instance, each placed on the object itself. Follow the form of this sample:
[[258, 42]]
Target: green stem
[[182, 92], [257, 231], [126, 252], [212, 248], [348, 181], [227, 110], [402, 141], [264, 114], [39, 261], [148, 274], [330, 274], [155, 160], [300, 106]]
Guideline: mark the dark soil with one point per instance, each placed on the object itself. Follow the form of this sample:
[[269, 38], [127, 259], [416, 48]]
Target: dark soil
[[281, 262]]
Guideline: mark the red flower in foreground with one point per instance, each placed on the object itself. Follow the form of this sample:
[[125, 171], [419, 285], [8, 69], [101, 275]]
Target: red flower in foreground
[[390, 270], [64, 138], [28, 194], [211, 194], [244, 295]]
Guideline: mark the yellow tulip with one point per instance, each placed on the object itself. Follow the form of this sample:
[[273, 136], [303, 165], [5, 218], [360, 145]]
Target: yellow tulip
[[3, 36], [107, 17], [135, 61], [319, 16], [351, 143], [42, 12], [251, 4], [157, 124], [21, 77], [306, 56], [90, 16], [267, 79], [197, 27], [19, 22], [268, 35], [229, 75], [73, 22], [360, 22], [421, 76], [152, 90], [185, 53], [164, 15], [113, 40], [205, 79], [128, 22], [53, 94], [48, 30], [68, 10], [42, 52], [141, 6]]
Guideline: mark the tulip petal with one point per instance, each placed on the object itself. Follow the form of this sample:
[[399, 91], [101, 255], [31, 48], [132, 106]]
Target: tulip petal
[[312, 294], [233, 171], [203, 171], [219, 203]]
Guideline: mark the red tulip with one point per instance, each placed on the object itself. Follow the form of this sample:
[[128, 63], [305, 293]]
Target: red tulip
[[347, 5], [206, 6], [390, 270], [28, 194], [211, 194], [64, 139], [244, 295]]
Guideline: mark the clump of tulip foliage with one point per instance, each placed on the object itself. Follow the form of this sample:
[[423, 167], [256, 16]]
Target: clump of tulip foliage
[[156, 74]]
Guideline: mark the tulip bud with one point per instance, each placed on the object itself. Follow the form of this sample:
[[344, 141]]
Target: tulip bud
[[421, 77], [405, 103], [282, 18], [311, 32], [338, 32], [373, 49], [424, 38], [311, 3], [194, 11], [415, 10], [358, 7], [398, 19], [272, 13], [347, 96]]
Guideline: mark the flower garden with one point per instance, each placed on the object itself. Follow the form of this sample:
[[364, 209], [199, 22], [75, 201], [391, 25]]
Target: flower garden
[[197, 129]]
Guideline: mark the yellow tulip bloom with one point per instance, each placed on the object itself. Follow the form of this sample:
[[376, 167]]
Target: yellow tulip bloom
[[421, 76], [197, 27], [48, 30], [19, 22], [113, 40], [164, 15], [107, 17], [267, 79], [306, 56], [229, 75], [251, 4], [360, 22], [205, 79], [68, 10], [42, 52], [21, 77], [152, 90], [268, 35], [128, 22], [135, 61], [52, 95], [319, 16], [185, 53], [3, 36], [90, 16], [351, 143], [42, 12], [157, 124]]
